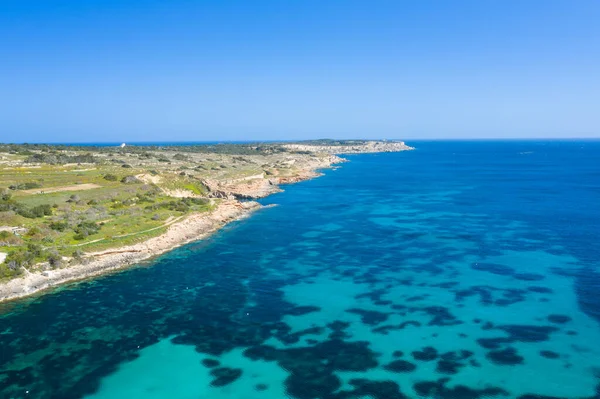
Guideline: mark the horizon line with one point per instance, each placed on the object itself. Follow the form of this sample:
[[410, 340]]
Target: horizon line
[[257, 141]]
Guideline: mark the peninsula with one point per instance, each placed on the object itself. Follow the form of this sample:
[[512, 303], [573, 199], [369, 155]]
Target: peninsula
[[73, 212]]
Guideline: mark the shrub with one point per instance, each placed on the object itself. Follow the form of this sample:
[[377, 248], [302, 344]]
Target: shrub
[[9, 239], [59, 226], [33, 231], [41, 210], [126, 166], [25, 186], [85, 229], [180, 157], [181, 205], [57, 158], [78, 256], [110, 177], [74, 198], [10, 268], [5, 196], [34, 250], [54, 259], [130, 180]]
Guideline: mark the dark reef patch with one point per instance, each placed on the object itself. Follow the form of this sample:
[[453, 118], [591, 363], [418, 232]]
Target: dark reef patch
[[372, 389], [311, 382], [493, 343], [540, 290], [517, 333], [457, 355], [374, 295], [261, 387], [437, 389], [416, 298], [224, 376], [452, 362], [441, 316], [528, 333], [400, 366], [370, 317], [302, 310], [448, 367], [426, 354], [559, 318], [505, 357], [210, 363], [494, 268], [549, 354], [338, 330], [445, 285], [312, 368], [528, 276], [387, 328], [487, 295], [587, 286]]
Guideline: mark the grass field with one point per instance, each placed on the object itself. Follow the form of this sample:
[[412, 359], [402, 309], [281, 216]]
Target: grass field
[[93, 207]]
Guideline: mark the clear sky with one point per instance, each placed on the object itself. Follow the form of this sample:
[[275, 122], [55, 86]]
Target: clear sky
[[143, 70]]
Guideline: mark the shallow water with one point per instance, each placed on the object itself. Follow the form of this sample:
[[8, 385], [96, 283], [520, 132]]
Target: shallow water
[[460, 270]]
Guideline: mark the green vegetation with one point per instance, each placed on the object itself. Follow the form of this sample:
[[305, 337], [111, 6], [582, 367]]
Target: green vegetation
[[57, 158], [85, 229], [110, 177], [59, 202], [8, 239], [7, 204], [25, 186]]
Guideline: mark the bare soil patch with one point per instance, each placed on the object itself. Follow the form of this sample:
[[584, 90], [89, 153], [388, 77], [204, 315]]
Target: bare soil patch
[[75, 187]]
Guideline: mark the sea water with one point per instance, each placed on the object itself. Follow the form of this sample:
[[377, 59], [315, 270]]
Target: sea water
[[458, 270]]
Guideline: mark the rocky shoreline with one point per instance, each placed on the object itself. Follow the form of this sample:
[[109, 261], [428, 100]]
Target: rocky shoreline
[[194, 227], [232, 204]]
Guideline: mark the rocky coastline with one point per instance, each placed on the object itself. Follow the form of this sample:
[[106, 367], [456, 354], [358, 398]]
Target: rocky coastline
[[195, 227], [232, 203]]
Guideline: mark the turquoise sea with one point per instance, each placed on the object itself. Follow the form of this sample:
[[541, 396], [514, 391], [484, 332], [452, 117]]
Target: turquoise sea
[[458, 270]]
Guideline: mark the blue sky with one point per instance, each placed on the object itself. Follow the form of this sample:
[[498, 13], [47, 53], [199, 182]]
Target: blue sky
[[133, 70]]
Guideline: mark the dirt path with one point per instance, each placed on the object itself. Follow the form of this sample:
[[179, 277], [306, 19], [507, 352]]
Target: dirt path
[[168, 222], [75, 187]]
